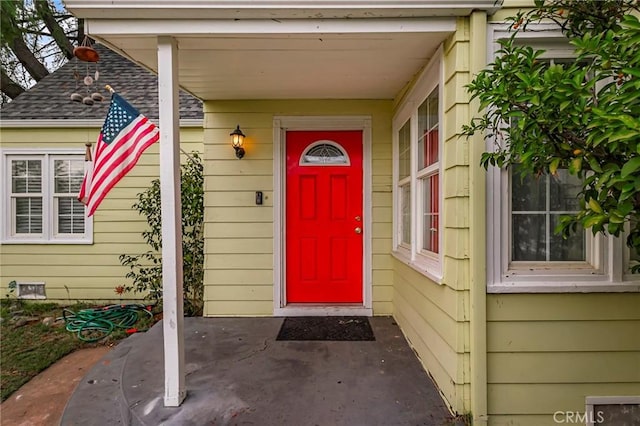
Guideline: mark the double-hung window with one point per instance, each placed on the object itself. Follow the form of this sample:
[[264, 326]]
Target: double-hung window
[[417, 170], [428, 174], [523, 252], [40, 198]]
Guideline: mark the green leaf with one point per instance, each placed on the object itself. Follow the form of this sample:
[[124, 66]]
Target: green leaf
[[593, 220], [595, 206], [631, 21], [565, 104], [630, 167], [553, 166], [631, 71], [627, 120], [594, 165], [623, 134], [575, 166], [535, 100]]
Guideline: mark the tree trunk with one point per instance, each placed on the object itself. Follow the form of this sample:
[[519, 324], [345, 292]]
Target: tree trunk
[[8, 86], [44, 11], [28, 59], [80, 36]]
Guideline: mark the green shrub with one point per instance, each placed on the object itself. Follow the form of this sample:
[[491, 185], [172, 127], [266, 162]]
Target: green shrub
[[146, 268]]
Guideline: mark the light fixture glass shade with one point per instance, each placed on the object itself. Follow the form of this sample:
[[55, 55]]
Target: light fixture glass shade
[[237, 140], [237, 137]]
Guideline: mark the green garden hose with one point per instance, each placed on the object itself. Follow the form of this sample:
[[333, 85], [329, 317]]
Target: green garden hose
[[93, 324]]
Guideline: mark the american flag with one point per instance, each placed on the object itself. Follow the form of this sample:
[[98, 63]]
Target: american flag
[[125, 135]]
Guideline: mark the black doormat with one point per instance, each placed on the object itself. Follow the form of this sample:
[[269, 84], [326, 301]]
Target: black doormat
[[326, 328]]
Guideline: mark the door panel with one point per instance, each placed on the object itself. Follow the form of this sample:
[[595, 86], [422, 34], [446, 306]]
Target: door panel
[[324, 208]]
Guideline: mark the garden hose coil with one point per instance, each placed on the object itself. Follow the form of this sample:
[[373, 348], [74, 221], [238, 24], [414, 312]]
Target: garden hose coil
[[93, 324]]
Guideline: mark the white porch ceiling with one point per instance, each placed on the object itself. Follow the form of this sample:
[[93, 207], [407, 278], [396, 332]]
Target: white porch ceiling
[[286, 66], [282, 49]]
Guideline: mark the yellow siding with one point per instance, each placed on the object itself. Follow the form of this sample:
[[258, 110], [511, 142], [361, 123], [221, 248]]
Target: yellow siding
[[239, 234], [547, 352], [435, 318], [81, 271]]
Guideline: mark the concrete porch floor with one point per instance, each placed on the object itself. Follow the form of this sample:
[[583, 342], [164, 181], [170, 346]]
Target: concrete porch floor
[[238, 374]]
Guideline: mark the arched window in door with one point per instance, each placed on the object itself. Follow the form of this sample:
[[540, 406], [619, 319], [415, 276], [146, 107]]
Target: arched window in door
[[324, 153]]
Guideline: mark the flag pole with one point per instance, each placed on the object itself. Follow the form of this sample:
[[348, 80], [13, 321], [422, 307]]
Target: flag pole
[[109, 88]]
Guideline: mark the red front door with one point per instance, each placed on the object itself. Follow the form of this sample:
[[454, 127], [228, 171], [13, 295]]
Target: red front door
[[324, 221]]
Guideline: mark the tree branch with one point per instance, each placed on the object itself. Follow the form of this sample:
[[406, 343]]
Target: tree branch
[[8, 86], [26, 57], [56, 31]]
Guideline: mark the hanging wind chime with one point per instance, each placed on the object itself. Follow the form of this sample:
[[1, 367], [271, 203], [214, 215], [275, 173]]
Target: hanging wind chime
[[86, 53]]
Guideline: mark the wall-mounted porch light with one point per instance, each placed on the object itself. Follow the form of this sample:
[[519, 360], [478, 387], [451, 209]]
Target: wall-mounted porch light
[[237, 141]]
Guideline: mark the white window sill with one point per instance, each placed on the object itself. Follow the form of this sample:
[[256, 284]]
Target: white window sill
[[421, 266], [85, 242], [564, 287]]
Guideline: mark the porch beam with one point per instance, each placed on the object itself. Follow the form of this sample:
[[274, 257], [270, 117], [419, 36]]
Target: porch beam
[[181, 27], [171, 210]]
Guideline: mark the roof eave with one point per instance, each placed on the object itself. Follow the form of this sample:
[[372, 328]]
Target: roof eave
[[69, 124], [275, 9]]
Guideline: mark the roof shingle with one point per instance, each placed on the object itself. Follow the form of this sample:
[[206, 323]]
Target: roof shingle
[[49, 99]]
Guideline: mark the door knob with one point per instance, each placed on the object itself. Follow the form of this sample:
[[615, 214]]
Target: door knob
[[358, 230], [358, 218]]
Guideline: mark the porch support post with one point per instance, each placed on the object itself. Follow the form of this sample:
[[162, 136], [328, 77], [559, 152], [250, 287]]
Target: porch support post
[[478, 225], [171, 209]]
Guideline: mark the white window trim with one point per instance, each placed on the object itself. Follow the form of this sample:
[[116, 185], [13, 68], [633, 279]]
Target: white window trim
[[428, 264], [607, 273], [5, 212], [594, 418]]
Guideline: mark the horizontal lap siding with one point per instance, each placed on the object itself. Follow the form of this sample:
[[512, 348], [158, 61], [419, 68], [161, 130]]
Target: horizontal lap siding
[[82, 271], [239, 234], [434, 317], [547, 352]]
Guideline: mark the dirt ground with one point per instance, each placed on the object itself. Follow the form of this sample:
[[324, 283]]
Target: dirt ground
[[42, 400]]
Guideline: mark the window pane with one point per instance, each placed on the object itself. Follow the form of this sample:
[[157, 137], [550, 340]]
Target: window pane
[[428, 146], [528, 193], [406, 213], [431, 216], [570, 249], [70, 216], [68, 175], [19, 176], [62, 184], [529, 237], [28, 219], [26, 176], [404, 150], [536, 204], [564, 192], [34, 176]]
